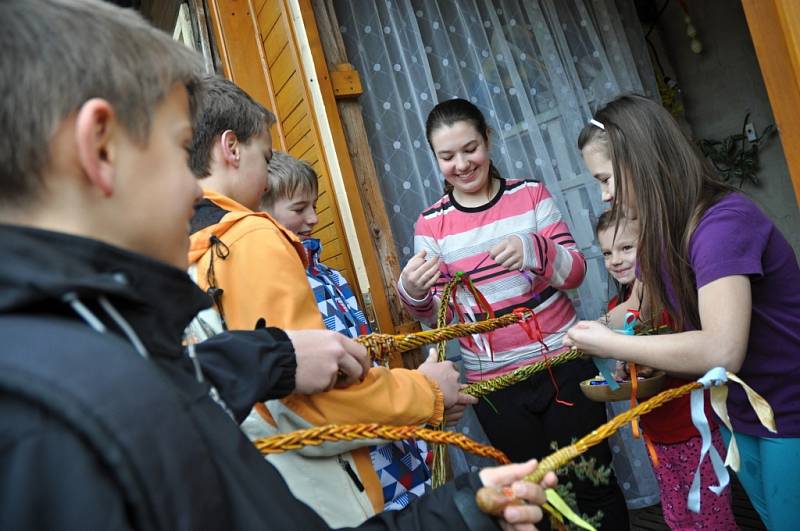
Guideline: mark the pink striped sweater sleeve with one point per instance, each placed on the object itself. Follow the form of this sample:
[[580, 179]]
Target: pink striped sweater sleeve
[[551, 253]]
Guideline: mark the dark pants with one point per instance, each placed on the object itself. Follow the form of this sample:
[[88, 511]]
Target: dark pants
[[528, 418]]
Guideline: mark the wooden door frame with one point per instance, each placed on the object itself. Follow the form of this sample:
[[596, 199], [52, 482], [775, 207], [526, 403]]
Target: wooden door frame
[[244, 46], [368, 183], [775, 30]]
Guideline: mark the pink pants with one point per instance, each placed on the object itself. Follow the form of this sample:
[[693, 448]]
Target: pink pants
[[676, 466]]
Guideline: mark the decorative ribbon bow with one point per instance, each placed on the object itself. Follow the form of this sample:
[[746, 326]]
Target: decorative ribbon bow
[[715, 380], [476, 340]]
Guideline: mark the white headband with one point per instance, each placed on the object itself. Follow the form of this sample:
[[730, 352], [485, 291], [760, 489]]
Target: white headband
[[597, 124]]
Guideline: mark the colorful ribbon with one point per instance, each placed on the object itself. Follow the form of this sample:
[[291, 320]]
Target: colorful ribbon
[[537, 335], [566, 511], [607, 366], [719, 397], [715, 377], [715, 380]]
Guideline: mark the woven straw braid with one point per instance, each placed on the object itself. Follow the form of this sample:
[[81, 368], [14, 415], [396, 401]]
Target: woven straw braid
[[350, 432]]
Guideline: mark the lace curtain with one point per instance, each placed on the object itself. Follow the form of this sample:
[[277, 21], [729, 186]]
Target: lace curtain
[[536, 69]]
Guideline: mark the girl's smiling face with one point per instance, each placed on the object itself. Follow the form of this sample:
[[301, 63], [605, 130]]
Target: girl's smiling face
[[463, 157], [619, 254]]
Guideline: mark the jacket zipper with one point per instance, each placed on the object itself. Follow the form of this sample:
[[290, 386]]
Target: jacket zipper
[[345, 464]]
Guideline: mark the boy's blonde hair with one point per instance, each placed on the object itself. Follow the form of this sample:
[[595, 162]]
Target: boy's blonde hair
[[287, 176], [57, 54]]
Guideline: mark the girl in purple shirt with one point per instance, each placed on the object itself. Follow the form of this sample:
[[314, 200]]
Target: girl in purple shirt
[[724, 273]]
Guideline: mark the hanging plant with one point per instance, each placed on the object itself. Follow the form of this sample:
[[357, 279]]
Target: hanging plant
[[735, 157]]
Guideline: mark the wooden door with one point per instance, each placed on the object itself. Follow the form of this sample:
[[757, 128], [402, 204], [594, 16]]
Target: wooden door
[[271, 49], [775, 29]]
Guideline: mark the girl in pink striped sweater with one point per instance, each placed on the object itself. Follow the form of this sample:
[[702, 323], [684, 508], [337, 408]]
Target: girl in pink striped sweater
[[508, 237]]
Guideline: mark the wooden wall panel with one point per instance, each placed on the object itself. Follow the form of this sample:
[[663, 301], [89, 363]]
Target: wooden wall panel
[[260, 56], [775, 29]]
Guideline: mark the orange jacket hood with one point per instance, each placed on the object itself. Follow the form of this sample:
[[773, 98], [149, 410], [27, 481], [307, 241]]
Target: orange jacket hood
[[200, 241]]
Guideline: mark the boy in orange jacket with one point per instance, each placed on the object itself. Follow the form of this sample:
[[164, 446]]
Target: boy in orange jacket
[[254, 269]]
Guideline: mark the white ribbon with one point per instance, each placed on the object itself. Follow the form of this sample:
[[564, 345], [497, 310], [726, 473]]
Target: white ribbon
[[465, 299], [715, 377]]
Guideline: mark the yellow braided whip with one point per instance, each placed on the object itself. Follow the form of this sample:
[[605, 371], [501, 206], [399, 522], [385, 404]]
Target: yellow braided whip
[[439, 462], [441, 314], [381, 345], [563, 456], [484, 387], [492, 501], [349, 432]]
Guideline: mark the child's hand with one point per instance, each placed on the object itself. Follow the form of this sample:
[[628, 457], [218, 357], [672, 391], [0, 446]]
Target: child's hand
[[454, 413], [445, 375], [326, 359], [509, 253], [419, 275], [520, 517], [592, 338]]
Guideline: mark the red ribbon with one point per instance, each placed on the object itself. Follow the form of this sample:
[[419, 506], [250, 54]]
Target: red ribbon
[[483, 306], [537, 335]]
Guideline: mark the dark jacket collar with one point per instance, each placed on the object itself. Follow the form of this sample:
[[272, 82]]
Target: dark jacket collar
[[40, 267]]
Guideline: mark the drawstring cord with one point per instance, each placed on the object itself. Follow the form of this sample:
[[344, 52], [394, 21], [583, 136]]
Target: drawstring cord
[[85, 313], [127, 329], [91, 319], [96, 324]]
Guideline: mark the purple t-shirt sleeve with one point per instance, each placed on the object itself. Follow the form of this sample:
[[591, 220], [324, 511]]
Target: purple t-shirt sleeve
[[729, 240]]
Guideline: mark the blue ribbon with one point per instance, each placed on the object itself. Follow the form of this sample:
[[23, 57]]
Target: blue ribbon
[[714, 377], [607, 366]]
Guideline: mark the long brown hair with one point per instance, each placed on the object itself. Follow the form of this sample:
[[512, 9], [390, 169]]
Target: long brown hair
[[658, 170], [456, 110]]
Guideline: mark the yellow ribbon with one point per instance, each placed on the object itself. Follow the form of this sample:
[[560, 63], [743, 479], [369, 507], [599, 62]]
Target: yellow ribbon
[[558, 504], [719, 397]]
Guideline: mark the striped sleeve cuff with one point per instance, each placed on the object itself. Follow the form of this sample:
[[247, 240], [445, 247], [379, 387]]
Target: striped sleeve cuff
[[417, 303]]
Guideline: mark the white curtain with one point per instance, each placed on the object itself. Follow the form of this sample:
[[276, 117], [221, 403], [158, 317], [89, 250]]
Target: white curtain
[[536, 68]]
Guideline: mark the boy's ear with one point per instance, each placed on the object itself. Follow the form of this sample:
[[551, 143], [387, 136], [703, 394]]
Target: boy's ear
[[231, 148], [94, 131]]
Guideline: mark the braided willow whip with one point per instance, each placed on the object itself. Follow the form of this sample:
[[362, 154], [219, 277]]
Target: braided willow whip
[[484, 387], [349, 432], [381, 345], [439, 462], [487, 499]]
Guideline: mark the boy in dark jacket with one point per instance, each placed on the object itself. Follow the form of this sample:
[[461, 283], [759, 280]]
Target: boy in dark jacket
[[107, 421]]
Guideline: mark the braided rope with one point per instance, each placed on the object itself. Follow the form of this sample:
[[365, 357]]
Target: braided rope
[[563, 456], [441, 314], [380, 346], [484, 387], [349, 432], [439, 461]]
